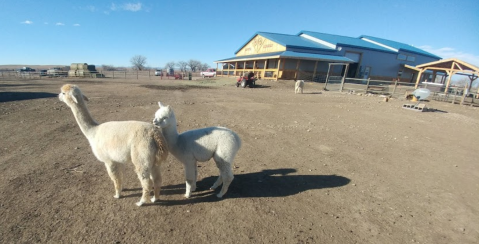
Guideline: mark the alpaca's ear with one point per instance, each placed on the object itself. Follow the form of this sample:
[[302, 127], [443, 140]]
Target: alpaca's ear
[[85, 98], [160, 105], [72, 96]]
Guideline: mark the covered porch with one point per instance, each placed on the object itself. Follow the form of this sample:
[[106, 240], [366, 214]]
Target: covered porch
[[285, 65]]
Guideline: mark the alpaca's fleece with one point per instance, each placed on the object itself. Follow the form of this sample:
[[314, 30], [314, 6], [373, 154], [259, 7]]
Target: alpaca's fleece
[[199, 145], [118, 142], [298, 86]]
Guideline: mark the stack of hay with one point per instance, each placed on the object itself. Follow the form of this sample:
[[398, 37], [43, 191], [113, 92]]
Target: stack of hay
[[81, 70]]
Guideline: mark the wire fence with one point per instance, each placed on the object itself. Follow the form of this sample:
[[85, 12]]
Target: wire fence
[[462, 95], [122, 74]]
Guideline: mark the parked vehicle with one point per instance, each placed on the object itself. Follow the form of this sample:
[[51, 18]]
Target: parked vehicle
[[208, 73], [25, 69], [43, 72], [245, 81], [55, 72], [158, 72]]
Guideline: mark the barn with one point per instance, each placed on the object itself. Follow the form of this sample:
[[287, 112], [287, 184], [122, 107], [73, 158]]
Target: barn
[[312, 56]]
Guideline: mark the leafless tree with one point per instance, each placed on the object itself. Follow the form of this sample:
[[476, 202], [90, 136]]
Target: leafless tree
[[204, 66], [462, 82], [107, 67], [194, 64], [182, 65], [170, 65], [138, 62]]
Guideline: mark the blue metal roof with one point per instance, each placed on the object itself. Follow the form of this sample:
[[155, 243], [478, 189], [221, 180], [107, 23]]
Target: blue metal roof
[[345, 41], [289, 41], [400, 46], [289, 54], [304, 44]]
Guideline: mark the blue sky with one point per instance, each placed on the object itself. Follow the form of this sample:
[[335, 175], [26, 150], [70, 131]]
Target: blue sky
[[111, 32]]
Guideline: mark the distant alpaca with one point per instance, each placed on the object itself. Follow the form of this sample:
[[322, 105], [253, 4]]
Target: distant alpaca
[[118, 142], [298, 87], [201, 145]]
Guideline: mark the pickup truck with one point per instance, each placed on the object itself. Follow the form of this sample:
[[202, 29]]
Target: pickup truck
[[208, 73]]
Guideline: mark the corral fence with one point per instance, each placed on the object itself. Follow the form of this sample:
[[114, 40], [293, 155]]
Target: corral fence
[[454, 94], [396, 88], [121, 74]]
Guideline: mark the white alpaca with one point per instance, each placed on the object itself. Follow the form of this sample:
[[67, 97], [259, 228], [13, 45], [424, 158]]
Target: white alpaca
[[298, 86], [118, 142], [201, 145]]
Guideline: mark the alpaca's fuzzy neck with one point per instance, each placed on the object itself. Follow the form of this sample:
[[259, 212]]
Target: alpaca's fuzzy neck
[[83, 118], [171, 132]]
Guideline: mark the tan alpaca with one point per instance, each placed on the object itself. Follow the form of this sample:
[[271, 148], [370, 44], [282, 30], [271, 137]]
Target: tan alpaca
[[298, 86], [116, 143]]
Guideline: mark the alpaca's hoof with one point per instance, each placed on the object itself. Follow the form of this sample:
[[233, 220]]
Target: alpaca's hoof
[[153, 199], [213, 187], [117, 196], [219, 195], [187, 195], [140, 203]]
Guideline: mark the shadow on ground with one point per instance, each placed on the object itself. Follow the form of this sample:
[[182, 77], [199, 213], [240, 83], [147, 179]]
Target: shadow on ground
[[19, 96], [267, 183]]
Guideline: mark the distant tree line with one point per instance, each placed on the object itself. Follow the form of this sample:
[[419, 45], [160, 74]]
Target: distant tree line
[[138, 62]]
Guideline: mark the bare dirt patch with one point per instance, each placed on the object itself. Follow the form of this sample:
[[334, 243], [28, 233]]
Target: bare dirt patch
[[321, 167]]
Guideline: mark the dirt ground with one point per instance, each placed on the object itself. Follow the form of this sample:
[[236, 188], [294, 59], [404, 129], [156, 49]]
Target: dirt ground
[[318, 167]]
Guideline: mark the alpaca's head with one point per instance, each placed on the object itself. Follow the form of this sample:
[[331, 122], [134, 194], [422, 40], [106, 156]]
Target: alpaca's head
[[71, 94], [163, 116]]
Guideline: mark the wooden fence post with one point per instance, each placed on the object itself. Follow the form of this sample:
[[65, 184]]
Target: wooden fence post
[[395, 86], [367, 85], [464, 94], [454, 97]]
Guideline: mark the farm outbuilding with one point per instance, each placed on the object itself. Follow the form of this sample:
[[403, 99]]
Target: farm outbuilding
[[308, 55]]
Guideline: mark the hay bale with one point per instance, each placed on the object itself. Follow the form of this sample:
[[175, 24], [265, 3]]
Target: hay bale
[[83, 66], [72, 73]]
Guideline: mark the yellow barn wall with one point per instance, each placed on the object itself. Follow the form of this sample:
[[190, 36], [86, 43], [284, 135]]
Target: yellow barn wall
[[259, 45]]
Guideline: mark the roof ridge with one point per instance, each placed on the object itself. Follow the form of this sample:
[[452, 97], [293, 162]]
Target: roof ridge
[[275, 33], [327, 34], [380, 38]]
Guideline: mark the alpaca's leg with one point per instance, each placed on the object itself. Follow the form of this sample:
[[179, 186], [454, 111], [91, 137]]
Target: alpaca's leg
[[156, 178], [144, 173], [190, 175], [115, 171], [226, 175], [217, 183]]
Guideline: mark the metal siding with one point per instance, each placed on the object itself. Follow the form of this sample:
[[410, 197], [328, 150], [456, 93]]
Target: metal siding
[[356, 57]]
